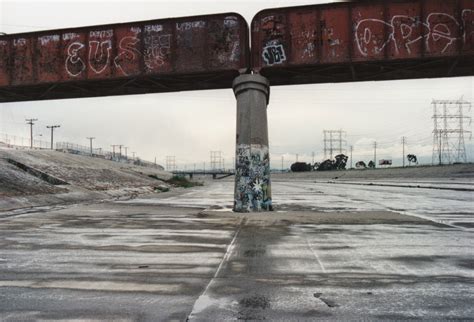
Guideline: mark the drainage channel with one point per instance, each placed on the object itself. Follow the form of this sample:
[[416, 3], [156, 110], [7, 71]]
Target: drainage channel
[[37, 173]]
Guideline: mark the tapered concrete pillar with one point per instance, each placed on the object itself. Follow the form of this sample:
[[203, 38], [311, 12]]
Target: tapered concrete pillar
[[252, 159]]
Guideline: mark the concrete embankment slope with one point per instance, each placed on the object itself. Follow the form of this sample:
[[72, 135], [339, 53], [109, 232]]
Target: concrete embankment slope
[[36, 178], [449, 172]]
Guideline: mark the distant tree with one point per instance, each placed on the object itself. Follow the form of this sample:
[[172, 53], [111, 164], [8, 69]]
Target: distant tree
[[371, 164], [341, 161], [327, 165], [301, 167], [412, 159], [361, 164]]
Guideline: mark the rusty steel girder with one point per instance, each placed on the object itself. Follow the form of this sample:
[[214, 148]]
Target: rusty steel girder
[[201, 52], [364, 40], [339, 42]]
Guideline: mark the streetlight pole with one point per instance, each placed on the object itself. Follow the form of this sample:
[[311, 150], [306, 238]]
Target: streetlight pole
[[52, 127]]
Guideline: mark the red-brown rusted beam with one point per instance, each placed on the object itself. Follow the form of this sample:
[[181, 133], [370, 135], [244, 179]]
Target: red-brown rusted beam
[[102, 60], [350, 36]]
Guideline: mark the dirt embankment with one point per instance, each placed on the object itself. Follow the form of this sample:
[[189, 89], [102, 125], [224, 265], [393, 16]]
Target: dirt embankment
[[32, 178]]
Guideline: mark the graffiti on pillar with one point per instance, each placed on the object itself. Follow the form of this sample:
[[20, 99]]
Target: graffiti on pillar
[[252, 173]]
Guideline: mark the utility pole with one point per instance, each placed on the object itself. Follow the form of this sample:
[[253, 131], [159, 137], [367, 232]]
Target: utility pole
[[352, 149], [282, 159], [375, 154], [404, 141], [90, 139], [31, 123], [312, 155], [52, 127], [126, 148]]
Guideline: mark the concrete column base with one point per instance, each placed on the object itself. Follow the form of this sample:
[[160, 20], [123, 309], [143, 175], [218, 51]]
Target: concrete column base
[[252, 169]]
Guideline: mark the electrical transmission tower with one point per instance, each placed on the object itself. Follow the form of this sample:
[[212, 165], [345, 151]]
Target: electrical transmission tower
[[334, 141], [450, 118], [170, 163], [216, 160]]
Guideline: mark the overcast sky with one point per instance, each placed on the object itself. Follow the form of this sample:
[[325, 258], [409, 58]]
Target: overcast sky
[[189, 125]]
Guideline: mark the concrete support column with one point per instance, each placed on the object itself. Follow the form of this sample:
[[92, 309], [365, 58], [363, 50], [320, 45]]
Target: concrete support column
[[252, 159]]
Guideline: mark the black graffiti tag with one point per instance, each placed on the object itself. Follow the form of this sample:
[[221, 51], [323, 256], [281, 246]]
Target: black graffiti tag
[[274, 54]]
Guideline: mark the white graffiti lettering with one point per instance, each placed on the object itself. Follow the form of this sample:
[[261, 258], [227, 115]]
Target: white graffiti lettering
[[74, 64], [155, 28], [99, 55], [127, 52], [230, 22], [102, 34], [190, 25], [19, 42], [157, 49], [135, 30], [70, 36], [436, 30], [44, 40]]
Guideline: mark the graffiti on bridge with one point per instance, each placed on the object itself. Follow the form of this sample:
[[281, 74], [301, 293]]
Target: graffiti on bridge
[[439, 30]]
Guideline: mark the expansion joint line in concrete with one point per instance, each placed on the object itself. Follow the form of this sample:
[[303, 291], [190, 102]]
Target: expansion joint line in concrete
[[314, 252], [203, 299]]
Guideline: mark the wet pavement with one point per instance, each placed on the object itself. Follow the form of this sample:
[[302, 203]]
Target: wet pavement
[[328, 252]]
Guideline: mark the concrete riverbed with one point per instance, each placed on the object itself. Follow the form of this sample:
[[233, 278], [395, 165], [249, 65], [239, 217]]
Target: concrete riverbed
[[328, 252]]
